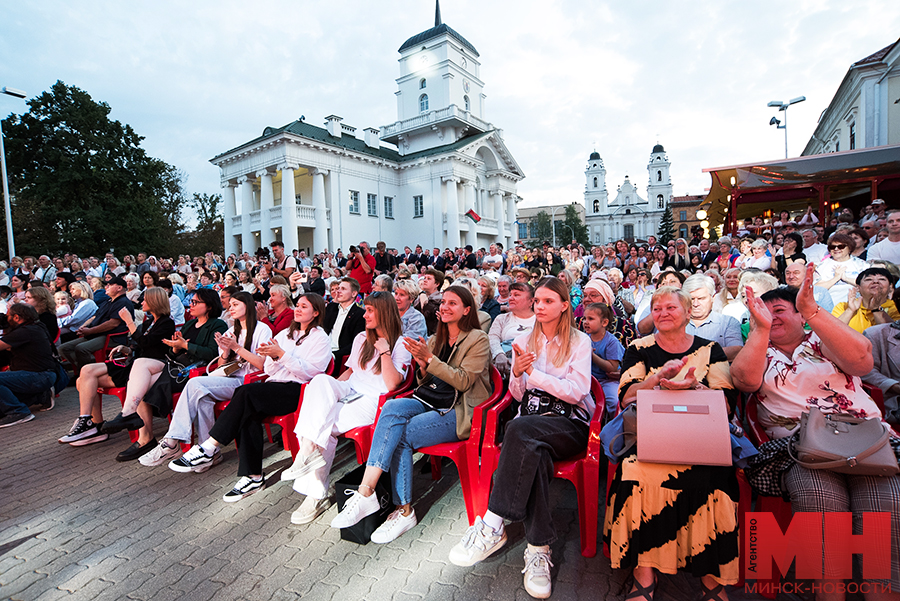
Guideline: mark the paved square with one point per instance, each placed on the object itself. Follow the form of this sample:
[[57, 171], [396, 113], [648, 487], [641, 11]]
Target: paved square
[[75, 524]]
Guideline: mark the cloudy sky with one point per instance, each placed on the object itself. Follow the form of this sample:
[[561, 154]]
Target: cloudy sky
[[562, 77]]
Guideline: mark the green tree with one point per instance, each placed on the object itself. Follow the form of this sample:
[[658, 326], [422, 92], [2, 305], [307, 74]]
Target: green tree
[[82, 183], [666, 229], [209, 234], [543, 228], [573, 221]]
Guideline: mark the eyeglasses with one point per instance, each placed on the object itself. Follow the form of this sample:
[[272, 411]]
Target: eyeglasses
[[837, 247], [196, 302], [376, 294]]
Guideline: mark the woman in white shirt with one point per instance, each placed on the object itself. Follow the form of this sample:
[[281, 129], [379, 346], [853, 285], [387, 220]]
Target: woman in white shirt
[[838, 272], [199, 397], [377, 364], [758, 259], [295, 356], [550, 364]]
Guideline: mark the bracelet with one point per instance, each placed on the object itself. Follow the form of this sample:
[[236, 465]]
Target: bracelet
[[385, 353], [814, 314]]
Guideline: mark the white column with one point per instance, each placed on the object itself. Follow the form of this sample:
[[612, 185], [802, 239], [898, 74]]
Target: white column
[[471, 235], [230, 243], [511, 219], [266, 202], [288, 208], [338, 209], [452, 212], [320, 234], [247, 241], [498, 215]]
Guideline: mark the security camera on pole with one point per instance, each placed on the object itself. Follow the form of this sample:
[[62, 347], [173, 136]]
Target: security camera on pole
[[783, 106]]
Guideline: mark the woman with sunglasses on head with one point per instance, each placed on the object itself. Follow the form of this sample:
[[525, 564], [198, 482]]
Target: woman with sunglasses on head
[[237, 358], [115, 373], [377, 364], [838, 271], [457, 355], [293, 357], [551, 373]]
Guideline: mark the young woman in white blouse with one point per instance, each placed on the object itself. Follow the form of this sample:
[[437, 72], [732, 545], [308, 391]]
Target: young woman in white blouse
[[199, 397], [377, 364], [295, 356], [554, 361]]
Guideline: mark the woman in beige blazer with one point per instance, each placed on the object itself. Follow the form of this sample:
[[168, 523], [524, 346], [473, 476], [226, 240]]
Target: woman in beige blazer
[[459, 355]]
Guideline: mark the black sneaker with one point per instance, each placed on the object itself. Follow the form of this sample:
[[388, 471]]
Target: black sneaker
[[244, 488], [45, 402], [15, 418], [120, 422], [82, 428], [135, 451], [195, 460], [98, 436]]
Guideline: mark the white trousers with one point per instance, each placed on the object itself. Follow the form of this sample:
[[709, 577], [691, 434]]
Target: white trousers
[[322, 418], [196, 403]]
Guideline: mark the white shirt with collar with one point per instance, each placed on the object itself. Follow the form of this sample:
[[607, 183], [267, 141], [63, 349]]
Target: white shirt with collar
[[338, 325]]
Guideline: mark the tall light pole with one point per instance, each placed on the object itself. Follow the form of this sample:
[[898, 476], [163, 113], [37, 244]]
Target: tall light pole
[[9, 229], [553, 221], [783, 106]]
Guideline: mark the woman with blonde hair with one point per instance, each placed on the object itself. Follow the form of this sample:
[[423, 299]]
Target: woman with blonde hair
[[489, 304], [729, 292], [84, 309], [551, 376], [377, 364]]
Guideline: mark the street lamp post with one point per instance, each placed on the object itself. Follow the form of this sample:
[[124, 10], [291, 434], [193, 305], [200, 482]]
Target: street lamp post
[[9, 229], [783, 106], [553, 223]]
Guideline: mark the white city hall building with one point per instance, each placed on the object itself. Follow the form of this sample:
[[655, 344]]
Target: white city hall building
[[325, 187], [628, 216]]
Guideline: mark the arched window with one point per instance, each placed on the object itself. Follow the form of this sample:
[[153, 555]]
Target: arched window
[[628, 211], [658, 173], [595, 182], [596, 206], [466, 102], [422, 84], [423, 103], [660, 201]]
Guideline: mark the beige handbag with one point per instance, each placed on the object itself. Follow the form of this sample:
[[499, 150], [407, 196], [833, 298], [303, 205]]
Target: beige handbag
[[844, 444]]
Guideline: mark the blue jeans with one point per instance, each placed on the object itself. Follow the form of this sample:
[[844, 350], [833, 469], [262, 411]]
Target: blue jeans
[[24, 383], [406, 425]]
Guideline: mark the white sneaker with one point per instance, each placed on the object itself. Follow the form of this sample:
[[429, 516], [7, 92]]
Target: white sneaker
[[537, 573], [310, 509], [478, 543], [356, 508], [159, 454], [303, 465], [244, 488], [395, 525]]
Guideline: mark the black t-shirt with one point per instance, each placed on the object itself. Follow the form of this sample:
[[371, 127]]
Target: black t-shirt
[[109, 311], [30, 348]]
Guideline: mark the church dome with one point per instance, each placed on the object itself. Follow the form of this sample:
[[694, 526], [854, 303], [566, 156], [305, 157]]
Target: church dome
[[658, 148], [434, 32], [595, 156]]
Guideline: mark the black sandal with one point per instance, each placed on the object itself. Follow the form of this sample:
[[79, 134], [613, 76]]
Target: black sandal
[[642, 592], [711, 594]]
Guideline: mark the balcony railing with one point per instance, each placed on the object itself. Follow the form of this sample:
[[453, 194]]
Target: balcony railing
[[434, 117]]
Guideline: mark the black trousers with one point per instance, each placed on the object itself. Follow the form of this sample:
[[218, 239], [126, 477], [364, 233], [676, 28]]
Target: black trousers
[[242, 419], [521, 491]]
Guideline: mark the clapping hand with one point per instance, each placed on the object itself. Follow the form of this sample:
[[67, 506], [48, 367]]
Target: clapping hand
[[177, 342], [854, 301], [760, 317], [522, 361], [688, 383], [418, 349], [806, 301], [227, 342], [270, 349]]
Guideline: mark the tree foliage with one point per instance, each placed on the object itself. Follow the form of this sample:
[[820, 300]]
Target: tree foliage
[[543, 228], [81, 182], [572, 220], [666, 229], [210, 232]]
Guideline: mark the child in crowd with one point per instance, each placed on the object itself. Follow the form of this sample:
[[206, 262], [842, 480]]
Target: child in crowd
[[63, 304], [607, 351]]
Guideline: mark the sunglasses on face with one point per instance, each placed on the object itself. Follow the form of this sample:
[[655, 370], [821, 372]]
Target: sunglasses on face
[[837, 247]]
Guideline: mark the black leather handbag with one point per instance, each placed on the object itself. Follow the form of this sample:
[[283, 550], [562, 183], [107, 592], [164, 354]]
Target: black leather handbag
[[437, 395]]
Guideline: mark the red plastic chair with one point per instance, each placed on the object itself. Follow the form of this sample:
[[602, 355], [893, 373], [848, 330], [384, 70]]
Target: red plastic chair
[[464, 453], [582, 470], [362, 436], [103, 354], [120, 393]]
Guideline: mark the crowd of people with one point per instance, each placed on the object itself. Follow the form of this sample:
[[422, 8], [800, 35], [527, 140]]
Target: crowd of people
[[776, 310]]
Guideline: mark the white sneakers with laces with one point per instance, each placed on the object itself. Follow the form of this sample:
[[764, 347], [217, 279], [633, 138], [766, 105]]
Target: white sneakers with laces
[[394, 526], [478, 543], [356, 508], [537, 572]]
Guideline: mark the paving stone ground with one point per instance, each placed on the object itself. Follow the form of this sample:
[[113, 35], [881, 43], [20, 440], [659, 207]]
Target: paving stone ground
[[75, 524]]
